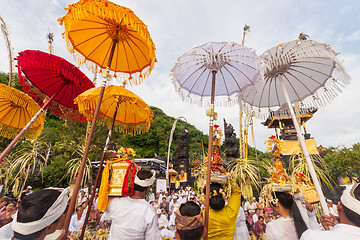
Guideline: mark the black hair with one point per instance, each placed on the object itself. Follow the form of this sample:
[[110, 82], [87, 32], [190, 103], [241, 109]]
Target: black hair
[[260, 217], [142, 175], [216, 202], [190, 209], [33, 207], [11, 202], [351, 215], [286, 200]]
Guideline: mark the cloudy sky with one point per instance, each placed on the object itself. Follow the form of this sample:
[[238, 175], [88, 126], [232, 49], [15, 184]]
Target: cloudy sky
[[177, 26]]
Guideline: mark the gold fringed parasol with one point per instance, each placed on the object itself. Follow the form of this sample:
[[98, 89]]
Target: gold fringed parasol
[[16, 110], [132, 115], [91, 26]]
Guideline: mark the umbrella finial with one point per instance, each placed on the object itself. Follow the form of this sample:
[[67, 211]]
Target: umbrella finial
[[246, 28], [303, 36]]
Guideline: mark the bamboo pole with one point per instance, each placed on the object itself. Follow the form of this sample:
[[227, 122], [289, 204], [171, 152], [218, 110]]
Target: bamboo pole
[[99, 172], [304, 149], [210, 145], [88, 144]]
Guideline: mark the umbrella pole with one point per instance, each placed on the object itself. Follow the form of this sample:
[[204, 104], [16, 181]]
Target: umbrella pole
[[87, 146], [210, 145], [304, 149], [28, 125], [98, 174]]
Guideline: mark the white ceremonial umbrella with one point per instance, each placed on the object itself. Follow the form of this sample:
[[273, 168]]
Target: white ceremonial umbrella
[[298, 71], [215, 69]]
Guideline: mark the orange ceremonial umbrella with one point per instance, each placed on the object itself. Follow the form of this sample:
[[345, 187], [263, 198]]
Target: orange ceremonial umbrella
[[111, 36], [120, 109], [16, 110], [115, 39]]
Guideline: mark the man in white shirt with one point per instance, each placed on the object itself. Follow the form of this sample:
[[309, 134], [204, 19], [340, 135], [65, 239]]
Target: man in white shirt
[[253, 204], [250, 206], [77, 220], [105, 222], [174, 204], [349, 213], [161, 195], [151, 196], [162, 219], [163, 223], [132, 217], [246, 204], [182, 199], [307, 212], [256, 215]]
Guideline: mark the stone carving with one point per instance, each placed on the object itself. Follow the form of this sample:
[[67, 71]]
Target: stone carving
[[180, 158], [231, 142]]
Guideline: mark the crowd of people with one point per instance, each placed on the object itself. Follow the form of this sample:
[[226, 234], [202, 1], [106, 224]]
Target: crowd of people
[[179, 215]]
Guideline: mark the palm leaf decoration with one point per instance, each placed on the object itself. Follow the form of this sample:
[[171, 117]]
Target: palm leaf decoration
[[74, 163], [298, 164], [28, 159], [245, 173]]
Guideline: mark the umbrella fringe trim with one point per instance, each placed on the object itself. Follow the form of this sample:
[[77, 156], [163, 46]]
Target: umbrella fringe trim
[[76, 12], [133, 78], [323, 96], [11, 133], [128, 129], [15, 98], [87, 103]]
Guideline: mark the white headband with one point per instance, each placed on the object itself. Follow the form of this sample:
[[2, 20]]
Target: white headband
[[348, 199], [51, 215], [147, 182]]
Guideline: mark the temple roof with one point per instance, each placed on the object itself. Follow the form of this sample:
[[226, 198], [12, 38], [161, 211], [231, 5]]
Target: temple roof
[[283, 115]]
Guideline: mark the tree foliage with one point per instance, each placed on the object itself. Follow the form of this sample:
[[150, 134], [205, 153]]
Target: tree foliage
[[343, 162]]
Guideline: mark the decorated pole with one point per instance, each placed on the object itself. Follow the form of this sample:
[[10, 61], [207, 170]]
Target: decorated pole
[[168, 155], [88, 144], [99, 172], [241, 147], [304, 149], [210, 145]]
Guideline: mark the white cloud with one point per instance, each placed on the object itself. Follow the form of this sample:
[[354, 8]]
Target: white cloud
[[177, 26]]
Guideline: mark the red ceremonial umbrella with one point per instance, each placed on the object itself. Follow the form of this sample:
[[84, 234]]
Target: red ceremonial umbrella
[[53, 82]]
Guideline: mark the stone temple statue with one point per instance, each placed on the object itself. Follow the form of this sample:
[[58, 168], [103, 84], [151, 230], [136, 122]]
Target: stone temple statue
[[231, 142]]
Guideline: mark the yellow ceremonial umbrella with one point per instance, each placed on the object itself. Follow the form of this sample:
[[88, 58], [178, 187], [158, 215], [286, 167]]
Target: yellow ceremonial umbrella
[[119, 106], [112, 37], [16, 110]]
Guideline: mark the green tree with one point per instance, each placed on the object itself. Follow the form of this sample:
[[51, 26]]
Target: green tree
[[343, 162]]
